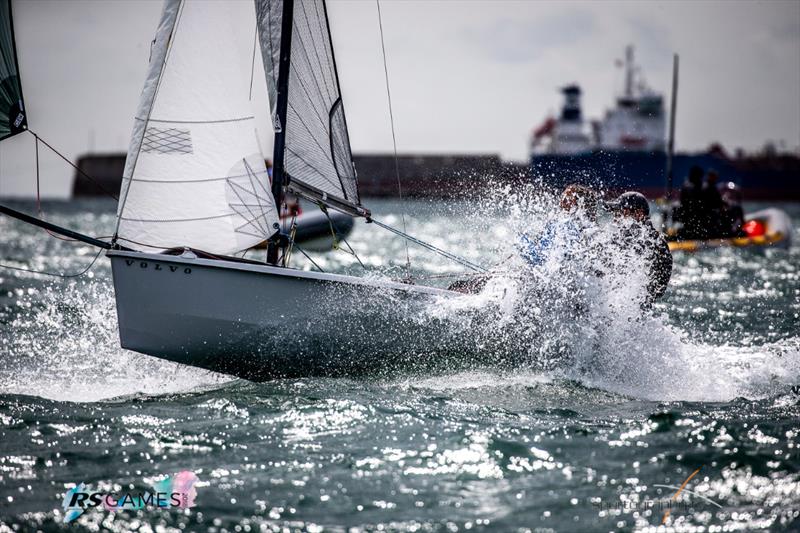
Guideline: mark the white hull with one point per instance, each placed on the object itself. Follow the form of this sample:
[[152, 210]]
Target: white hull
[[261, 322]]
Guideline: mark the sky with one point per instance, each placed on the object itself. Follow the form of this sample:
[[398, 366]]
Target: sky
[[466, 76]]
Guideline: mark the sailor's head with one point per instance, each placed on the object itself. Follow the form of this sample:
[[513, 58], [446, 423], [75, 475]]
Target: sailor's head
[[696, 175], [713, 178], [577, 197], [630, 204], [731, 193]]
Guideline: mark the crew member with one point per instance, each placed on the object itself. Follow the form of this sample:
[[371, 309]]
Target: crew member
[[712, 206], [579, 203], [691, 210], [637, 232], [732, 213]]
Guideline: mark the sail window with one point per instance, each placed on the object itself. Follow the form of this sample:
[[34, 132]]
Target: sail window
[[167, 141]]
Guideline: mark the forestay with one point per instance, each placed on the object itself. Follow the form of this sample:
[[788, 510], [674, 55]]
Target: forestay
[[317, 160], [195, 175], [12, 108]]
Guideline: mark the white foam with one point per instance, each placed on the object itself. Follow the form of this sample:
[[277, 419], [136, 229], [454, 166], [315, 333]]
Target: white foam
[[570, 323], [65, 346], [559, 322]]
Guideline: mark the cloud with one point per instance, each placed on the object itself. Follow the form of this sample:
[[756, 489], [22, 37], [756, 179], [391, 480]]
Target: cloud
[[466, 76], [511, 40]]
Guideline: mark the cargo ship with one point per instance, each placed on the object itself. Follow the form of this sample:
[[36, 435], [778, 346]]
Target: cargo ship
[[626, 149]]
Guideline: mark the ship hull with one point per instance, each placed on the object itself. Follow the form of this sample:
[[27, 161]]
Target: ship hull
[[615, 171], [260, 322]]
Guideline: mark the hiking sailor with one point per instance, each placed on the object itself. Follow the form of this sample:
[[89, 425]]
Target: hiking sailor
[[637, 234], [579, 217]]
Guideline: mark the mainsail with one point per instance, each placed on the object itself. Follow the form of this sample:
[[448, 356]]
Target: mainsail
[[195, 175], [314, 159], [12, 109]]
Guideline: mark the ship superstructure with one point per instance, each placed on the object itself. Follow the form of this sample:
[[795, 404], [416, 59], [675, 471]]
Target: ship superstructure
[[567, 134], [637, 123]]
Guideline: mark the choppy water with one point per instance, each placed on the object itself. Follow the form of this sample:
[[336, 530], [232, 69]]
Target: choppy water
[[599, 443]]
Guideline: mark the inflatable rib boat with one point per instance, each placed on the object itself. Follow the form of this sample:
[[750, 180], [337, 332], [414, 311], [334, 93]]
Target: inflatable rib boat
[[774, 231]]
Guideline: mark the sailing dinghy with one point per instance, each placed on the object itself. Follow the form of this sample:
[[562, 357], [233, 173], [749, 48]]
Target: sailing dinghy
[[196, 194]]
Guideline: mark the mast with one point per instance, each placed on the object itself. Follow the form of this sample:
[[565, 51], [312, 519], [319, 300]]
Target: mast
[[278, 175], [313, 157]]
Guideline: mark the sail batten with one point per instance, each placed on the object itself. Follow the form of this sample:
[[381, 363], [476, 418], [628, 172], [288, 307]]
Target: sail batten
[[315, 156], [217, 121], [195, 174], [13, 116]]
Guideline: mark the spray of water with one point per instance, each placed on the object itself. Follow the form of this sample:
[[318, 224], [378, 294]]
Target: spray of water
[[576, 317], [63, 344], [580, 315]]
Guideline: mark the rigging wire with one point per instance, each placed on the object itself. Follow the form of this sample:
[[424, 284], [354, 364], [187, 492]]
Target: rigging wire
[[39, 195], [70, 163], [353, 252], [56, 274], [336, 234], [81, 173], [394, 137], [253, 61], [407, 237], [295, 245], [287, 252]]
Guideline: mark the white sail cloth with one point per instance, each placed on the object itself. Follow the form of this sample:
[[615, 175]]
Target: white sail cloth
[[195, 175]]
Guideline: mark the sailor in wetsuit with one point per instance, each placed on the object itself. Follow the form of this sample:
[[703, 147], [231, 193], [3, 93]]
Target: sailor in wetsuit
[[732, 212], [579, 205], [692, 206], [636, 232]]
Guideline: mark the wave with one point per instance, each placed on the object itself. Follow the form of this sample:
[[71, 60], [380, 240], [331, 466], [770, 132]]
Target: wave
[[544, 327]]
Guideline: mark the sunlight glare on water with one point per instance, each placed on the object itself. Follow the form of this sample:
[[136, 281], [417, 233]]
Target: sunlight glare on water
[[567, 412]]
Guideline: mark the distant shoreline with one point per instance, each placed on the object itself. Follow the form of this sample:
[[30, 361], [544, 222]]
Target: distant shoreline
[[765, 177]]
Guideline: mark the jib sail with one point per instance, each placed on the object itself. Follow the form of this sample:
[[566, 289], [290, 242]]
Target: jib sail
[[195, 175]]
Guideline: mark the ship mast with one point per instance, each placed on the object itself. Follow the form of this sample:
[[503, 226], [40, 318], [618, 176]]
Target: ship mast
[[672, 111], [629, 71]]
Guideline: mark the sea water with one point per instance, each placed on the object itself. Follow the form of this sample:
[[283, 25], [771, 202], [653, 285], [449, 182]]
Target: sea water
[[611, 419]]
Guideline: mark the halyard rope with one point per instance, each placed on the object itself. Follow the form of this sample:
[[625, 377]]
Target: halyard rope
[[394, 138]]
